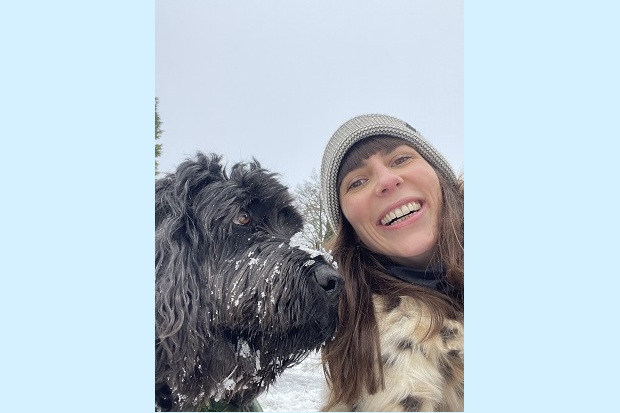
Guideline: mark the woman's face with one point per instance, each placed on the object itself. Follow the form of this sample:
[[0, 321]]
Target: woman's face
[[393, 201]]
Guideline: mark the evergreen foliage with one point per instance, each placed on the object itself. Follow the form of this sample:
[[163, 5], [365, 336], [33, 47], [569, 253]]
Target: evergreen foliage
[[158, 132]]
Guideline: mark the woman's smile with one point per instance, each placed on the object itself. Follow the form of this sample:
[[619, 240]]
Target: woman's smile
[[401, 213]]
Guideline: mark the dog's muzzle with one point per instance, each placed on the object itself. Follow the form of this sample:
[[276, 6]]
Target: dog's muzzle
[[330, 281]]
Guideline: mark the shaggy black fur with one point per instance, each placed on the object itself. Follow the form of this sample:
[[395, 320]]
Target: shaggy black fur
[[235, 304]]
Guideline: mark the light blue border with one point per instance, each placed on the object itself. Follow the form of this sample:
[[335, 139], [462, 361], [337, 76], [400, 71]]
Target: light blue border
[[541, 145], [77, 108]]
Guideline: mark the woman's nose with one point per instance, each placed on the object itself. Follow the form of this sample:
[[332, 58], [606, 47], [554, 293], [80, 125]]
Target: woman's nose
[[387, 181]]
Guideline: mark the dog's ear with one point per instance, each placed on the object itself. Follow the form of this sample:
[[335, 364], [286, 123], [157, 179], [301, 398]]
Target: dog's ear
[[176, 266], [174, 197], [173, 193]]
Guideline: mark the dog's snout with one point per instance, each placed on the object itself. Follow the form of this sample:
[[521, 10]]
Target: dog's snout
[[329, 280]]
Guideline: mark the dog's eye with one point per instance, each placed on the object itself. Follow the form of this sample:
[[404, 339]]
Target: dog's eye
[[243, 218]]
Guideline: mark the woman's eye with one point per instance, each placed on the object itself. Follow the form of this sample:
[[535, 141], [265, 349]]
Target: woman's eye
[[401, 159], [243, 218], [355, 184]]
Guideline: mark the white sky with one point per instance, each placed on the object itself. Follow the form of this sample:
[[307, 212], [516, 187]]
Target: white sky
[[275, 79]]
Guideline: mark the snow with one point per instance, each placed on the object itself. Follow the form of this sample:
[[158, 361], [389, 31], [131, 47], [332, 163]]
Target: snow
[[298, 241], [299, 389]]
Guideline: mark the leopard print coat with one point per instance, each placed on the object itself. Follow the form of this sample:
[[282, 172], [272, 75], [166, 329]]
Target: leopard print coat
[[420, 376]]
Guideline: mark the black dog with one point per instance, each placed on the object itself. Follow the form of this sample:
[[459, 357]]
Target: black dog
[[235, 303]]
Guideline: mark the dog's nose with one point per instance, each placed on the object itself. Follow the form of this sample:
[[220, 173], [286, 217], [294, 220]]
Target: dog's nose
[[329, 280]]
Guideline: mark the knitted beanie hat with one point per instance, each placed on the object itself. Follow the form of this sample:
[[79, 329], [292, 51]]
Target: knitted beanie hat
[[361, 127]]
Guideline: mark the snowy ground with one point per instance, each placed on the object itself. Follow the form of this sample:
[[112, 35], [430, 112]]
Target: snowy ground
[[299, 389]]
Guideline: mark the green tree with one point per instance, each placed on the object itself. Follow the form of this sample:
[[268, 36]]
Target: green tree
[[317, 229], [158, 132]]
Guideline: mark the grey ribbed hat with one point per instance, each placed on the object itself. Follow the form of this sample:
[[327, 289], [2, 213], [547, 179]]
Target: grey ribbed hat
[[361, 127]]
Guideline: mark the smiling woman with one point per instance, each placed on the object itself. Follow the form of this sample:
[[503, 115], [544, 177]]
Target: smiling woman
[[398, 210]]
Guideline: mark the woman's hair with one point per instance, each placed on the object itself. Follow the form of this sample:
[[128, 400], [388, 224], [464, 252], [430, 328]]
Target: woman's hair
[[345, 359]]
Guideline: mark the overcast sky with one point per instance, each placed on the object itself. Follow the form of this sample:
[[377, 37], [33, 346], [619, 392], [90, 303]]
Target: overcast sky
[[275, 79]]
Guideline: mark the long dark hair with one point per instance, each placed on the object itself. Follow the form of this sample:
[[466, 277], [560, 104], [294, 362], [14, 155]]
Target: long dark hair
[[345, 359]]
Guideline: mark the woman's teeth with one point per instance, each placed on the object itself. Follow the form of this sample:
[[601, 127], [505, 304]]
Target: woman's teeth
[[399, 214]]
